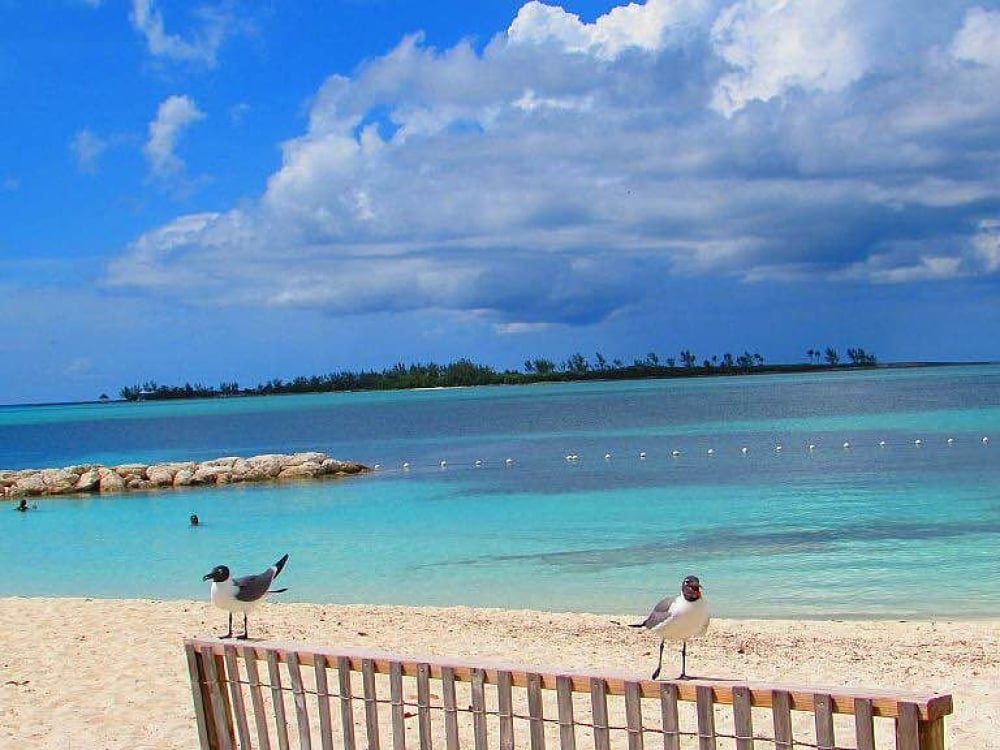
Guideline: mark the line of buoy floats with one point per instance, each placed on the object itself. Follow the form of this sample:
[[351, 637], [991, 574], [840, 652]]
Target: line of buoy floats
[[676, 453]]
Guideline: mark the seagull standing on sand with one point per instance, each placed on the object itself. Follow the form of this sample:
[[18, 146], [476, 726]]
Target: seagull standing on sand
[[242, 594], [678, 619]]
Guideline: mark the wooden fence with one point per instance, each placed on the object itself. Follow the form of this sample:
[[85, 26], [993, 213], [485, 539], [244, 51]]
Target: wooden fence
[[292, 696]]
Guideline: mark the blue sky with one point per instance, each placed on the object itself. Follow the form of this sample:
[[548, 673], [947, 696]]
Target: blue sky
[[249, 190]]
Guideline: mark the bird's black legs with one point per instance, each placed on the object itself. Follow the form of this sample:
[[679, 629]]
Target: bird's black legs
[[230, 633], [684, 648], [244, 636], [659, 664]]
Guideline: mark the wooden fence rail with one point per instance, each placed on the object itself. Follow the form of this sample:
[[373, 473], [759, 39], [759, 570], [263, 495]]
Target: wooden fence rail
[[297, 697]]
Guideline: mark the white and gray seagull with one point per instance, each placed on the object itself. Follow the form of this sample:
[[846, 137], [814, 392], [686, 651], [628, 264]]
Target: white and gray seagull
[[678, 619], [242, 594]]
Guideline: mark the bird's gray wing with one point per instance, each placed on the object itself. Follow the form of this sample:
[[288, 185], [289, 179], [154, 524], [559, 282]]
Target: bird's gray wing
[[661, 613], [252, 588]]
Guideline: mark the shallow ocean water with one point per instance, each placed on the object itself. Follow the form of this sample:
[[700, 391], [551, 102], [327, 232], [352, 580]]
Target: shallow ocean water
[[577, 520]]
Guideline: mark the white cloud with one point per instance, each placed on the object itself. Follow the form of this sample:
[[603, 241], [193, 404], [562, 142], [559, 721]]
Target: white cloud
[[776, 45], [215, 24], [174, 115], [567, 169], [979, 38], [88, 148], [884, 270], [986, 244], [645, 27]]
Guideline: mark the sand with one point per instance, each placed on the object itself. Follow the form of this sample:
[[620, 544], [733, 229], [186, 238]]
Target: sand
[[92, 673]]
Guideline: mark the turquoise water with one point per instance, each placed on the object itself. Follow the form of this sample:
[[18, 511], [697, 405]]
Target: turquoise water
[[895, 531]]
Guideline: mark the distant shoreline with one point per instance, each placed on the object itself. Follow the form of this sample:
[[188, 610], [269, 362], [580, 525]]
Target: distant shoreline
[[673, 373]]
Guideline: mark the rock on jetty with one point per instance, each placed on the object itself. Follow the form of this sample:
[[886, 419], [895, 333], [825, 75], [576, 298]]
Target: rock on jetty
[[93, 478]]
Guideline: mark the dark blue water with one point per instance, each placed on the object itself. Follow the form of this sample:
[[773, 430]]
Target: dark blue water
[[884, 527]]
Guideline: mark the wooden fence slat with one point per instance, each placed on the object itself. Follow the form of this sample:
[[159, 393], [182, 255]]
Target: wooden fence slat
[[599, 712], [479, 708], [932, 734], [396, 698], [323, 702], [668, 710], [536, 718], [371, 703], [781, 709], [706, 718], [196, 673], [633, 715], [222, 710], [236, 690], [564, 698], [278, 699], [346, 702], [450, 708], [864, 724], [908, 727], [424, 705], [823, 713], [299, 700], [743, 717], [224, 737], [256, 697], [505, 706]]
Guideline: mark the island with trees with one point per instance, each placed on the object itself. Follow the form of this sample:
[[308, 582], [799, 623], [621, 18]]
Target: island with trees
[[465, 372]]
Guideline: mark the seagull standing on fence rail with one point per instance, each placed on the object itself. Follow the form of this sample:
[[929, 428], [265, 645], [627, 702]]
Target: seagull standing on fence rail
[[242, 594], [678, 619]]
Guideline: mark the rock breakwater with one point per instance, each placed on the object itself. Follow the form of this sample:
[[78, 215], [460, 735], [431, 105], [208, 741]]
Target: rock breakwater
[[96, 478]]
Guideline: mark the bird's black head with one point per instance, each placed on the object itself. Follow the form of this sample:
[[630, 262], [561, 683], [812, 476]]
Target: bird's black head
[[218, 574], [691, 588]]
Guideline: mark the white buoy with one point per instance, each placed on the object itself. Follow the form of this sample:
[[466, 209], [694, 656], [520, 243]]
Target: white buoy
[[376, 467], [777, 449], [675, 453], [607, 456], [711, 451], [986, 441], [478, 463], [509, 461], [881, 444], [951, 441], [744, 450], [642, 456], [847, 445], [812, 447], [444, 464], [918, 442], [406, 465]]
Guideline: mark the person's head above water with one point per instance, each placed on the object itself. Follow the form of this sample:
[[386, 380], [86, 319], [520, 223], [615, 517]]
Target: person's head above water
[[194, 519]]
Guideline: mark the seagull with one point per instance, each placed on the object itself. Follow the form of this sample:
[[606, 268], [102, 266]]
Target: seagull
[[678, 619], [242, 594]]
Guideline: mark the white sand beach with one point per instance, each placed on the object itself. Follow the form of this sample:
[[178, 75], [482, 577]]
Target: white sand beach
[[92, 673]]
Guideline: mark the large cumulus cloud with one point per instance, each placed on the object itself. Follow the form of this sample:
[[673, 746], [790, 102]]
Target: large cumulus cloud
[[563, 170]]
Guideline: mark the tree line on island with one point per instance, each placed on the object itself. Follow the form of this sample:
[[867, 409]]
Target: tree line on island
[[465, 372]]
